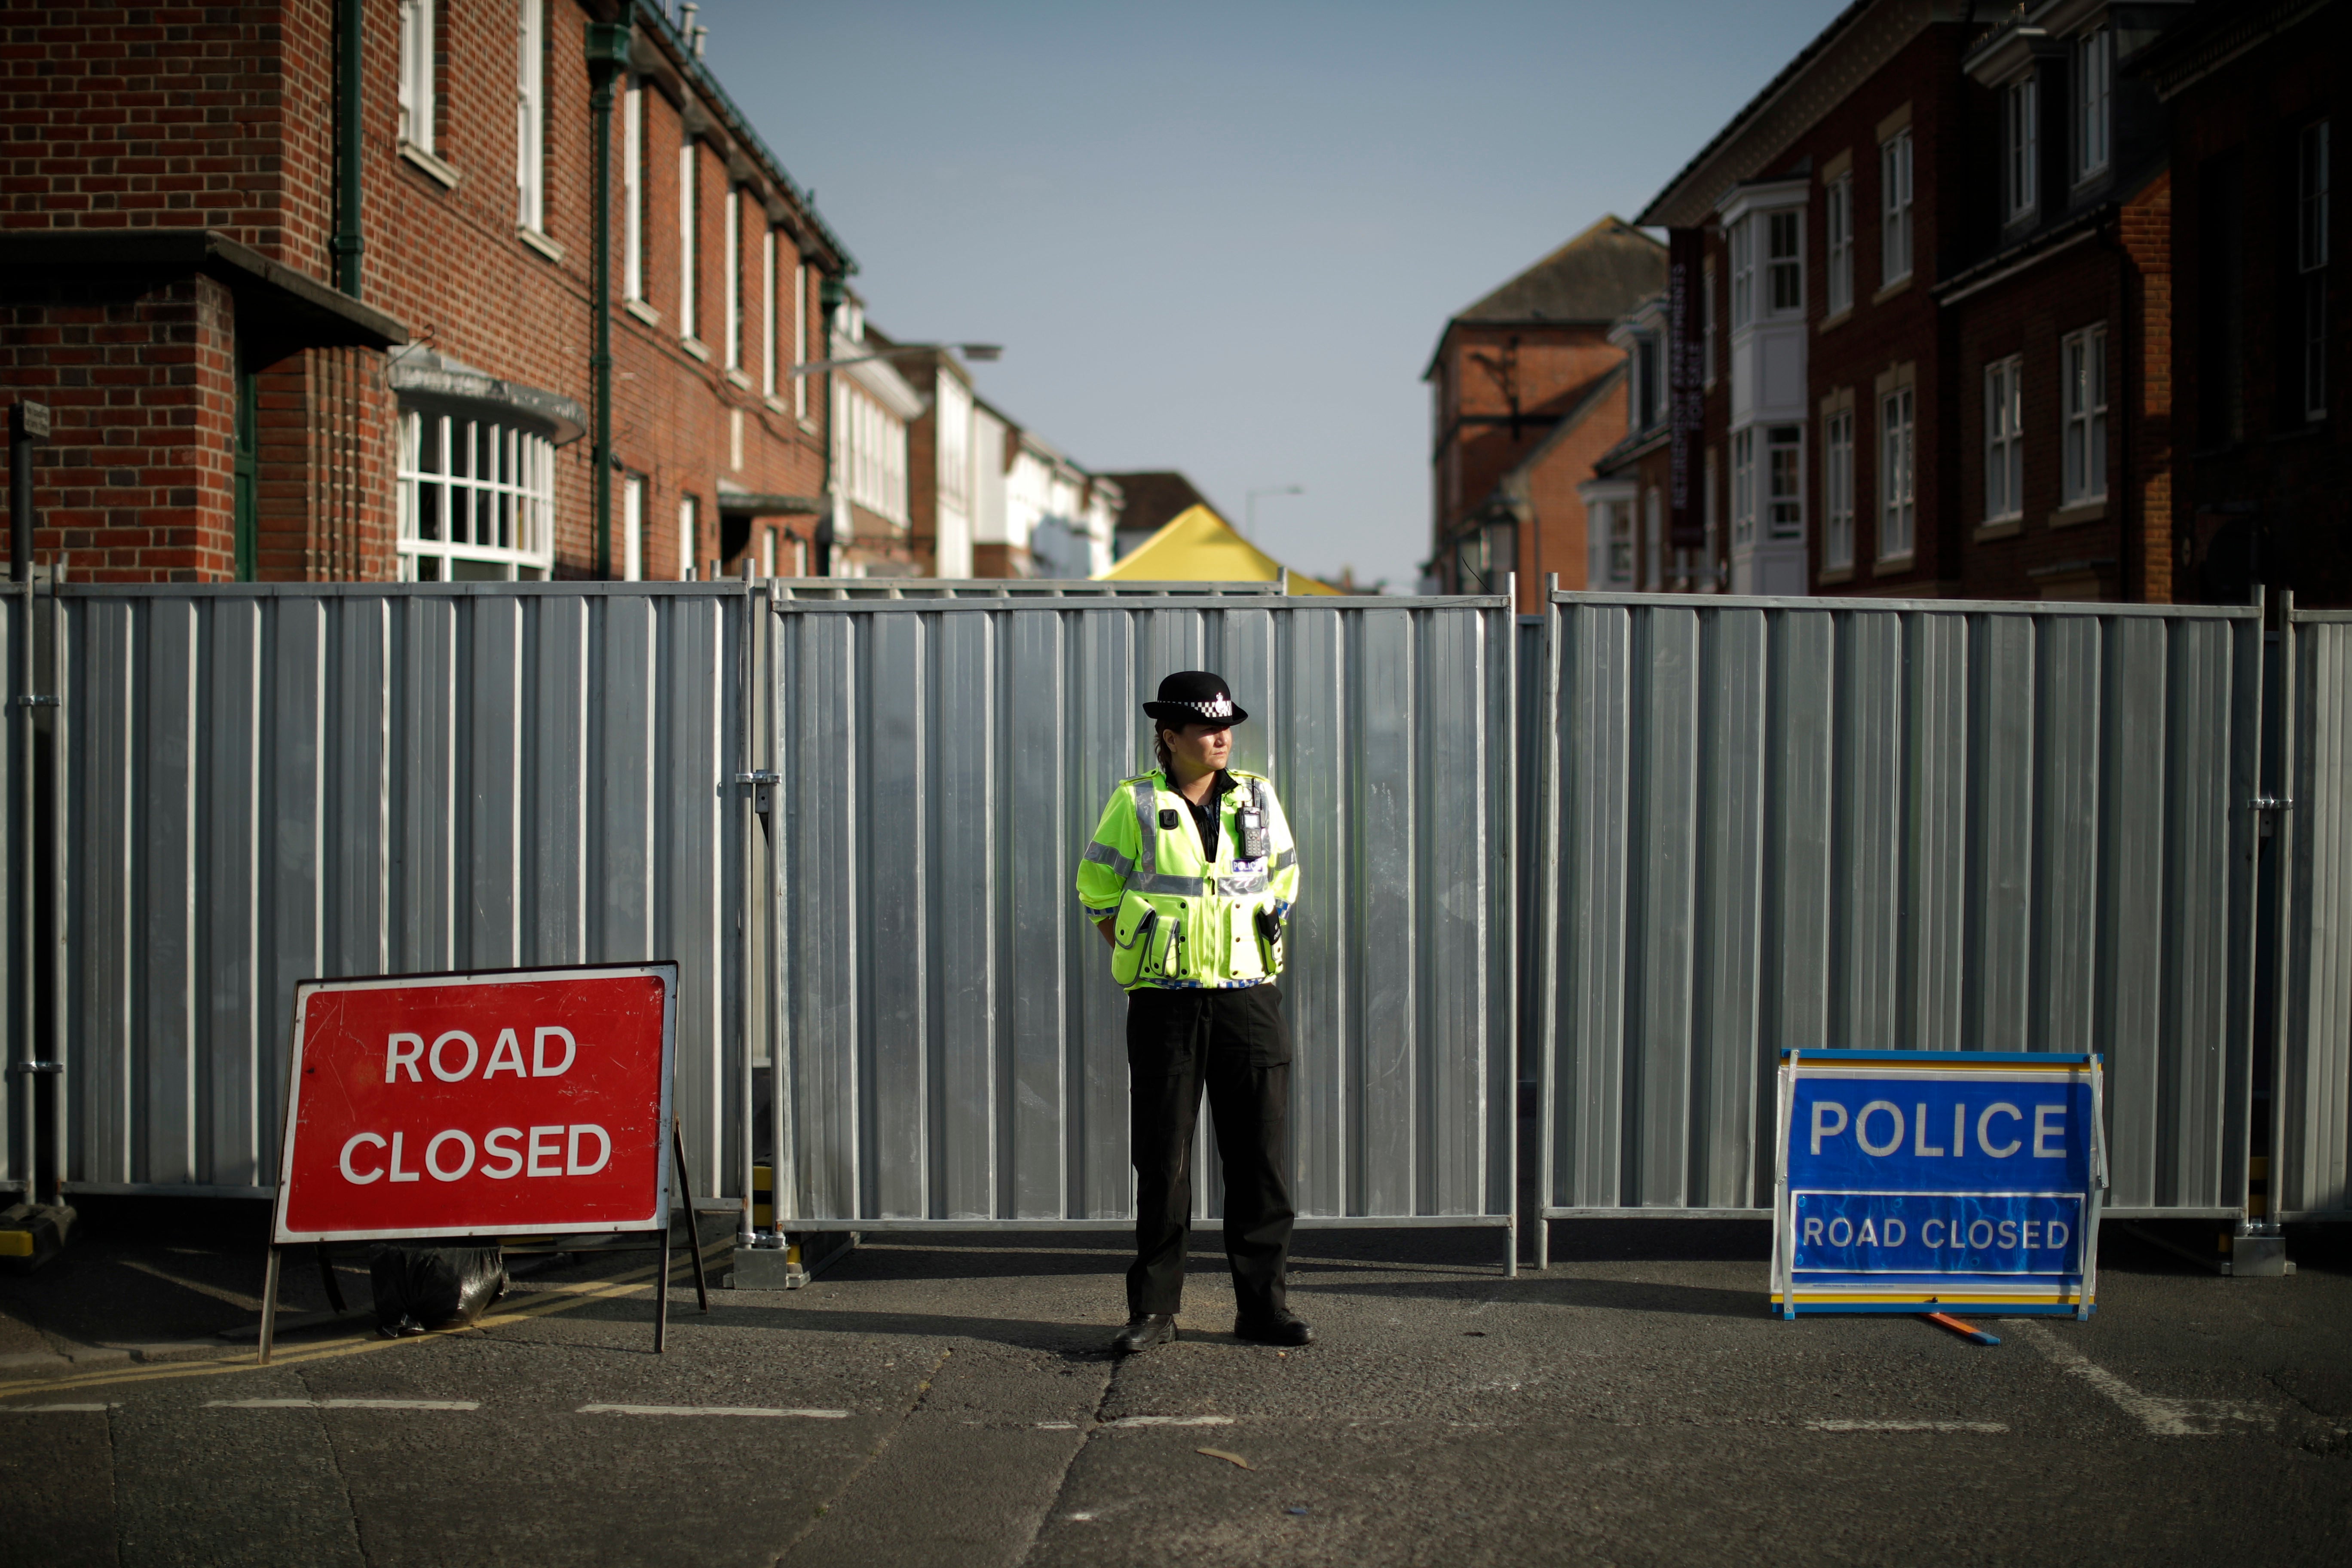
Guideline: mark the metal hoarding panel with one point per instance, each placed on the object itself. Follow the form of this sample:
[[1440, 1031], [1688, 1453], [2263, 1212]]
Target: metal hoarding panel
[[265, 784], [1905, 824], [2311, 1163], [954, 1046]]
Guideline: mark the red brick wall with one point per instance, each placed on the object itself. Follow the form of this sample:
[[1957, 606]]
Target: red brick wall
[[2268, 501], [134, 482], [224, 117]]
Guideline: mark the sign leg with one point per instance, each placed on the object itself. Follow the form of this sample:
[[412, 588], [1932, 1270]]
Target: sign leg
[[661, 1297], [685, 1186], [269, 1303]]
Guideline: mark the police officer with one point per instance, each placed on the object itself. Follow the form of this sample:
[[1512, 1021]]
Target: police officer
[[1191, 874]]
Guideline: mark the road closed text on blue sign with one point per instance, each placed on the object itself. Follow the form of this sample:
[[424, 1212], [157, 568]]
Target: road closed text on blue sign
[[1915, 1180]]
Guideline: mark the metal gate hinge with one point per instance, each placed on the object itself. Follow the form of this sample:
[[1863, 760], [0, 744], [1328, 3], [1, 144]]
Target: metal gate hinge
[[35, 699], [763, 784]]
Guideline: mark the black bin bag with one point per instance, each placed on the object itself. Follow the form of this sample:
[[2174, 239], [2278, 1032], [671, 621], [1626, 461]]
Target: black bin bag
[[420, 1289]]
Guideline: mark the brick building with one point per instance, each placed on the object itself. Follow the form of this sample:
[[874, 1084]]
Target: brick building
[[309, 288], [1625, 504], [2262, 345], [1524, 394], [1960, 336]]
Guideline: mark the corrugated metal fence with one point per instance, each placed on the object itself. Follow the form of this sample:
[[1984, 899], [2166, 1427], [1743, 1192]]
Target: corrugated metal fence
[[263, 784], [1910, 824], [2314, 1141], [955, 1041], [1627, 851]]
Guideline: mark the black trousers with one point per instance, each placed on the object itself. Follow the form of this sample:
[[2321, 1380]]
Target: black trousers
[[1235, 1044]]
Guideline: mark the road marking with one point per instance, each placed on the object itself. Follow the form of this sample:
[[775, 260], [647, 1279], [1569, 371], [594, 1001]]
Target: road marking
[[2163, 1417], [51, 1409], [709, 1410], [342, 1405], [1906, 1425], [1171, 1421], [544, 1301], [234, 1299]]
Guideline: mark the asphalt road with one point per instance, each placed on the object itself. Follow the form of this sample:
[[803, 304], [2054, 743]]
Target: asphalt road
[[946, 1399]]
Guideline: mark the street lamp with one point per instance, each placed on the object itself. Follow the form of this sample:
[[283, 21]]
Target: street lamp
[[977, 353], [1249, 504]]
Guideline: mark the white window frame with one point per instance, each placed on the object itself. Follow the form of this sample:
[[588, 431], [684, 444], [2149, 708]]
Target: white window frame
[[1839, 217], [1743, 487], [418, 98], [2020, 149], [500, 497], [767, 552], [1837, 490], [531, 115], [1784, 483], [1895, 207], [633, 191], [734, 242], [690, 511], [1898, 473], [1743, 273], [2083, 372], [767, 312], [800, 337], [2313, 213], [1784, 273], [2094, 82], [688, 209], [1617, 543], [633, 528], [2004, 439]]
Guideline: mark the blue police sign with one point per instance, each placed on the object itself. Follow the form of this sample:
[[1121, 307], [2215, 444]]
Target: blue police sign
[[1923, 1181]]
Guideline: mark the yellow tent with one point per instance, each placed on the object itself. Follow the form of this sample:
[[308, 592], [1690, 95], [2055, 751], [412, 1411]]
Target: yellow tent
[[1196, 545]]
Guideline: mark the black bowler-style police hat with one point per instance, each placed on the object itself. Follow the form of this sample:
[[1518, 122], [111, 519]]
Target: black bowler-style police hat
[[1195, 696]]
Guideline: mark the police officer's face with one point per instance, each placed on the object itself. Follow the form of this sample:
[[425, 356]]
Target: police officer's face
[[1200, 748]]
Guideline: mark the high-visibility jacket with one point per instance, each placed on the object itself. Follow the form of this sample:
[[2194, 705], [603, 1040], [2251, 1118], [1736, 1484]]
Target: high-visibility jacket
[[1183, 920]]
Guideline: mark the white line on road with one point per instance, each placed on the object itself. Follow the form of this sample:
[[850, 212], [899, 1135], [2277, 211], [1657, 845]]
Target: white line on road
[[51, 1409], [1906, 1425], [2162, 1416], [709, 1410], [1171, 1421], [342, 1405]]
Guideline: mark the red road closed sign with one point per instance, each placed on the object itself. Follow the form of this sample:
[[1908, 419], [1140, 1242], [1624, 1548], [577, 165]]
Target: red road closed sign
[[514, 1102]]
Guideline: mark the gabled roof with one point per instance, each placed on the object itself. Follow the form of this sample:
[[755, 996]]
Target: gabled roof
[[1596, 277]]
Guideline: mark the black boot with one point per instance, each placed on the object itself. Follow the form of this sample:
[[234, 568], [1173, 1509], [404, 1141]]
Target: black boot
[[1275, 1329], [1144, 1331]]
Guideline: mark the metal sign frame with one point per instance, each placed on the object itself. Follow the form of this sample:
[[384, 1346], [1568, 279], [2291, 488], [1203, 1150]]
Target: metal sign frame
[[658, 1216], [1916, 1290]]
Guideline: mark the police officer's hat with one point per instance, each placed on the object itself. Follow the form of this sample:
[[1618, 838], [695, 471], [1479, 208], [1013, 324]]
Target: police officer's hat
[[1195, 696]]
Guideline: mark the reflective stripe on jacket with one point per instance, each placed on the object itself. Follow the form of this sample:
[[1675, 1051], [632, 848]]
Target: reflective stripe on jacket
[[1183, 921]]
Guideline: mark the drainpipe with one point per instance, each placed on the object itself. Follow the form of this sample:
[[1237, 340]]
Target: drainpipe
[[345, 245], [608, 55]]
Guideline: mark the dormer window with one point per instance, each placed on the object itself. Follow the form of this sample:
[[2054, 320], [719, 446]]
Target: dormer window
[[2020, 147], [2094, 74]]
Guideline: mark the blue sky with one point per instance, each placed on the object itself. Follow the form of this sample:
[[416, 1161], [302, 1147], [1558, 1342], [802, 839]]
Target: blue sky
[[1223, 237]]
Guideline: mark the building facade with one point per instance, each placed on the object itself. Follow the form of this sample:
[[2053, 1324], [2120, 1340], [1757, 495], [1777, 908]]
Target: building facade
[[1525, 394], [2251, 96], [309, 290]]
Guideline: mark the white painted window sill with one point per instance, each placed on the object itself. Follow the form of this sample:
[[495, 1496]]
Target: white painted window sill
[[1887, 563], [541, 243], [739, 379], [642, 312], [1998, 528], [1892, 290], [2093, 510], [696, 347], [431, 165]]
